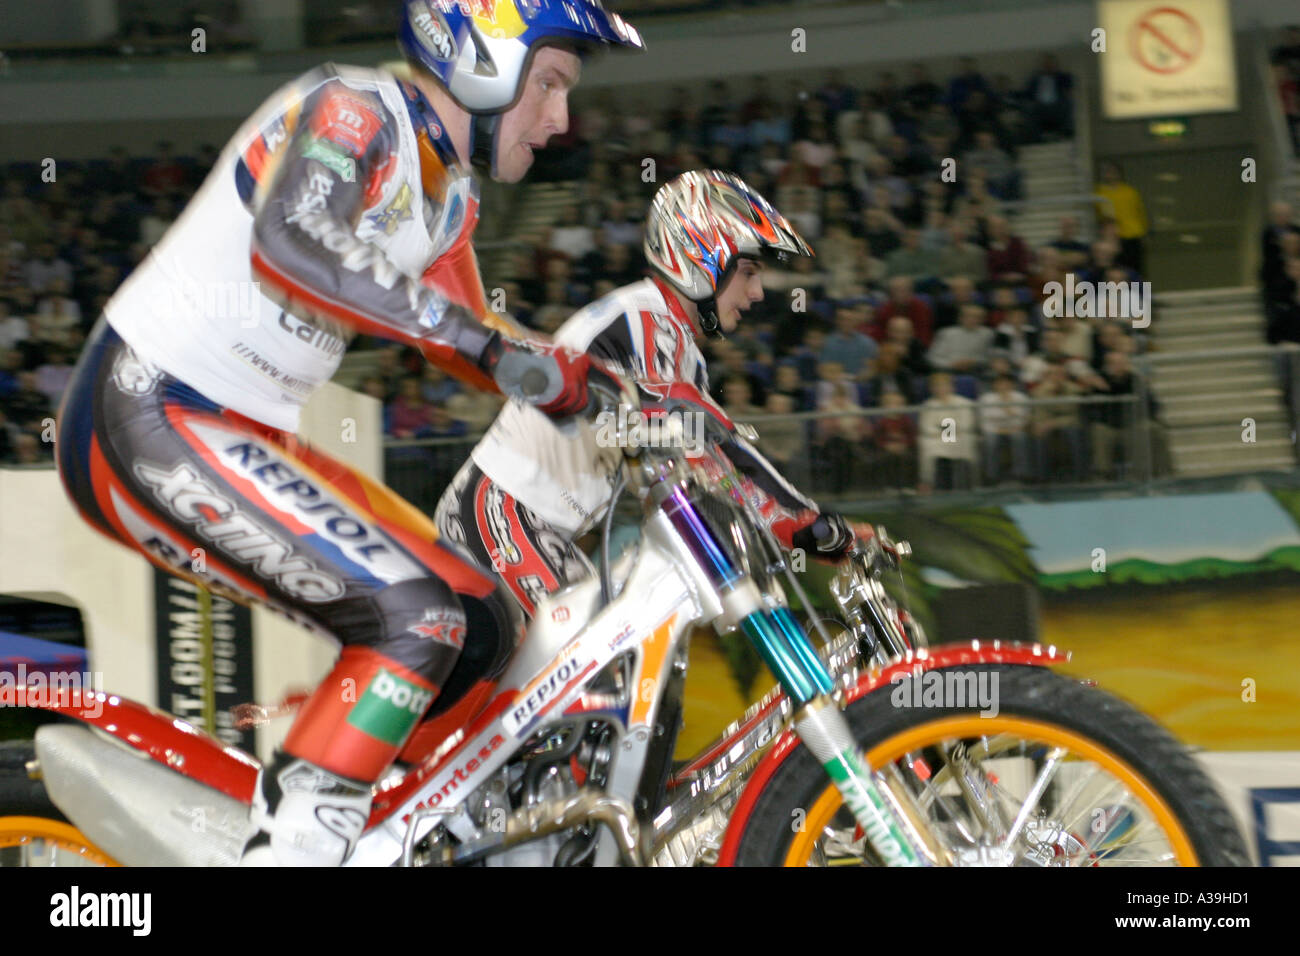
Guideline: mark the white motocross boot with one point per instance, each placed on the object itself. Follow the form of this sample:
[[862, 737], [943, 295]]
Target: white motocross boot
[[314, 817]]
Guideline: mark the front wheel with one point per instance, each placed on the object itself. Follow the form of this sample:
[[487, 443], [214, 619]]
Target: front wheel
[[32, 831], [1058, 774]]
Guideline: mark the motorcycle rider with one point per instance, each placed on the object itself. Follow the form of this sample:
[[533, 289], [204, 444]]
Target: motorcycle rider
[[348, 197], [529, 490]]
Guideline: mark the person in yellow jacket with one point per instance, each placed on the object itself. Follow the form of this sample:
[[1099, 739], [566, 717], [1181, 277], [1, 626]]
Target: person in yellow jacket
[[1122, 203]]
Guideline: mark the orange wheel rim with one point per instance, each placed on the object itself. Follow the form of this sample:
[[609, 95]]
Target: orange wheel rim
[[17, 831], [829, 802]]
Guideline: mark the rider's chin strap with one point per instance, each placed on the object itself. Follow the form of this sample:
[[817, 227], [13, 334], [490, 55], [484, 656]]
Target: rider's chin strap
[[483, 132]]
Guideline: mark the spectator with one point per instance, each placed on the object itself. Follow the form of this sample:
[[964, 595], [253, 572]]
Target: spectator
[[52, 378], [946, 437], [911, 353], [882, 232], [1059, 443], [1008, 257], [13, 328], [1004, 422], [783, 441], [789, 384], [903, 301], [891, 375], [910, 259], [1000, 172], [408, 415], [46, 268], [1014, 339], [959, 256], [841, 431], [569, 237], [165, 176], [847, 345], [618, 226], [1051, 104], [1122, 204], [1119, 431], [1073, 251], [27, 406], [963, 348], [159, 220], [895, 441]]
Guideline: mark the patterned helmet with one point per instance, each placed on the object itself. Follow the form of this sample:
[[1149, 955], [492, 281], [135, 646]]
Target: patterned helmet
[[701, 223], [480, 49]]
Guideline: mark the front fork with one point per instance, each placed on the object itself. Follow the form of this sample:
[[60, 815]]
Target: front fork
[[887, 814]]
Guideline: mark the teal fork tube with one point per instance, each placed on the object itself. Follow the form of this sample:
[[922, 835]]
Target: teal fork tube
[[785, 648]]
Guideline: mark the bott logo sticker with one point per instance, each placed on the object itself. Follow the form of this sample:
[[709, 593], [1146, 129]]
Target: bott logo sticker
[[389, 708]]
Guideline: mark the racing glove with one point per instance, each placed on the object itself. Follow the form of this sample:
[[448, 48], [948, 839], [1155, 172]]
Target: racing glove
[[550, 377]]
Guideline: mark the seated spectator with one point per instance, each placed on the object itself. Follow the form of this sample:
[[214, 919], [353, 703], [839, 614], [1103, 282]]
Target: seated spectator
[[159, 220], [783, 441], [883, 232], [946, 437], [910, 259], [911, 353], [1073, 251], [165, 176], [961, 292], [841, 433], [729, 361], [895, 444], [1015, 339], [13, 328], [1283, 303], [45, 268], [1000, 172], [959, 256], [787, 382], [903, 301], [1076, 337], [1060, 448], [57, 314], [408, 415], [570, 237], [848, 346], [737, 399], [52, 378], [816, 150], [1008, 257], [618, 226], [1004, 422], [27, 406], [1053, 351], [965, 347], [891, 375]]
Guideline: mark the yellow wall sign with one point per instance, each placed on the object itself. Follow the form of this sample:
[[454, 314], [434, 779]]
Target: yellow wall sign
[[1166, 56]]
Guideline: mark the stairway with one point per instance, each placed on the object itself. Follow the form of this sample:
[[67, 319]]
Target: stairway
[[1203, 399], [1050, 171]]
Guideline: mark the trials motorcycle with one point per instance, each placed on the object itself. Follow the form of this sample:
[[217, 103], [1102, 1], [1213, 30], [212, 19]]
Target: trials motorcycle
[[874, 749]]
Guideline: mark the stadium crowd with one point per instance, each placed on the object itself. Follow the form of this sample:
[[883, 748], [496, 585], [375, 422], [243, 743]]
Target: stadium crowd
[[923, 308]]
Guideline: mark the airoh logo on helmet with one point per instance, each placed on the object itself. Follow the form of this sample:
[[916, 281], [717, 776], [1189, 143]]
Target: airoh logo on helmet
[[433, 32]]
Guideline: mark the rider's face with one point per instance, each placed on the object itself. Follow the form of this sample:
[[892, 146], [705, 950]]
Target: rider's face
[[542, 111], [739, 292]]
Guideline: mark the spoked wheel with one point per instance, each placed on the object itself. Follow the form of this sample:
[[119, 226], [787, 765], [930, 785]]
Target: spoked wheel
[[39, 841], [1062, 775], [32, 831]]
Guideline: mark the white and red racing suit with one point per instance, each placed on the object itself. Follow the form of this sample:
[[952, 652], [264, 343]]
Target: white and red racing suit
[[530, 490], [338, 207]]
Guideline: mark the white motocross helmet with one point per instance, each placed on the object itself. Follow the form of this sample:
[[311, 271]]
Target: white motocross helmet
[[701, 223]]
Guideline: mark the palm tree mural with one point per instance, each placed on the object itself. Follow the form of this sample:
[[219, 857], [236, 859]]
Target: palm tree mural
[[975, 545]]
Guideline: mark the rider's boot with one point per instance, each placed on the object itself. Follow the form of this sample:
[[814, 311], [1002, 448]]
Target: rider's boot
[[314, 798]]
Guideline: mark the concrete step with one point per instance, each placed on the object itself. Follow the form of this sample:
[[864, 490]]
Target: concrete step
[[1206, 296], [1229, 436], [1181, 323], [1171, 388], [1173, 342], [1222, 417], [1208, 467], [1209, 369]]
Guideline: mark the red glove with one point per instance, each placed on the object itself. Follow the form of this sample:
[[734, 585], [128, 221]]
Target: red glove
[[550, 377]]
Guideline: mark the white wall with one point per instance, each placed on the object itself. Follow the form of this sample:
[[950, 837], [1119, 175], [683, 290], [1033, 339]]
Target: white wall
[[48, 553]]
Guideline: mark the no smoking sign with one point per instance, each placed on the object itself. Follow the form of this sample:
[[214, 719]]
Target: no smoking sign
[[1166, 40]]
